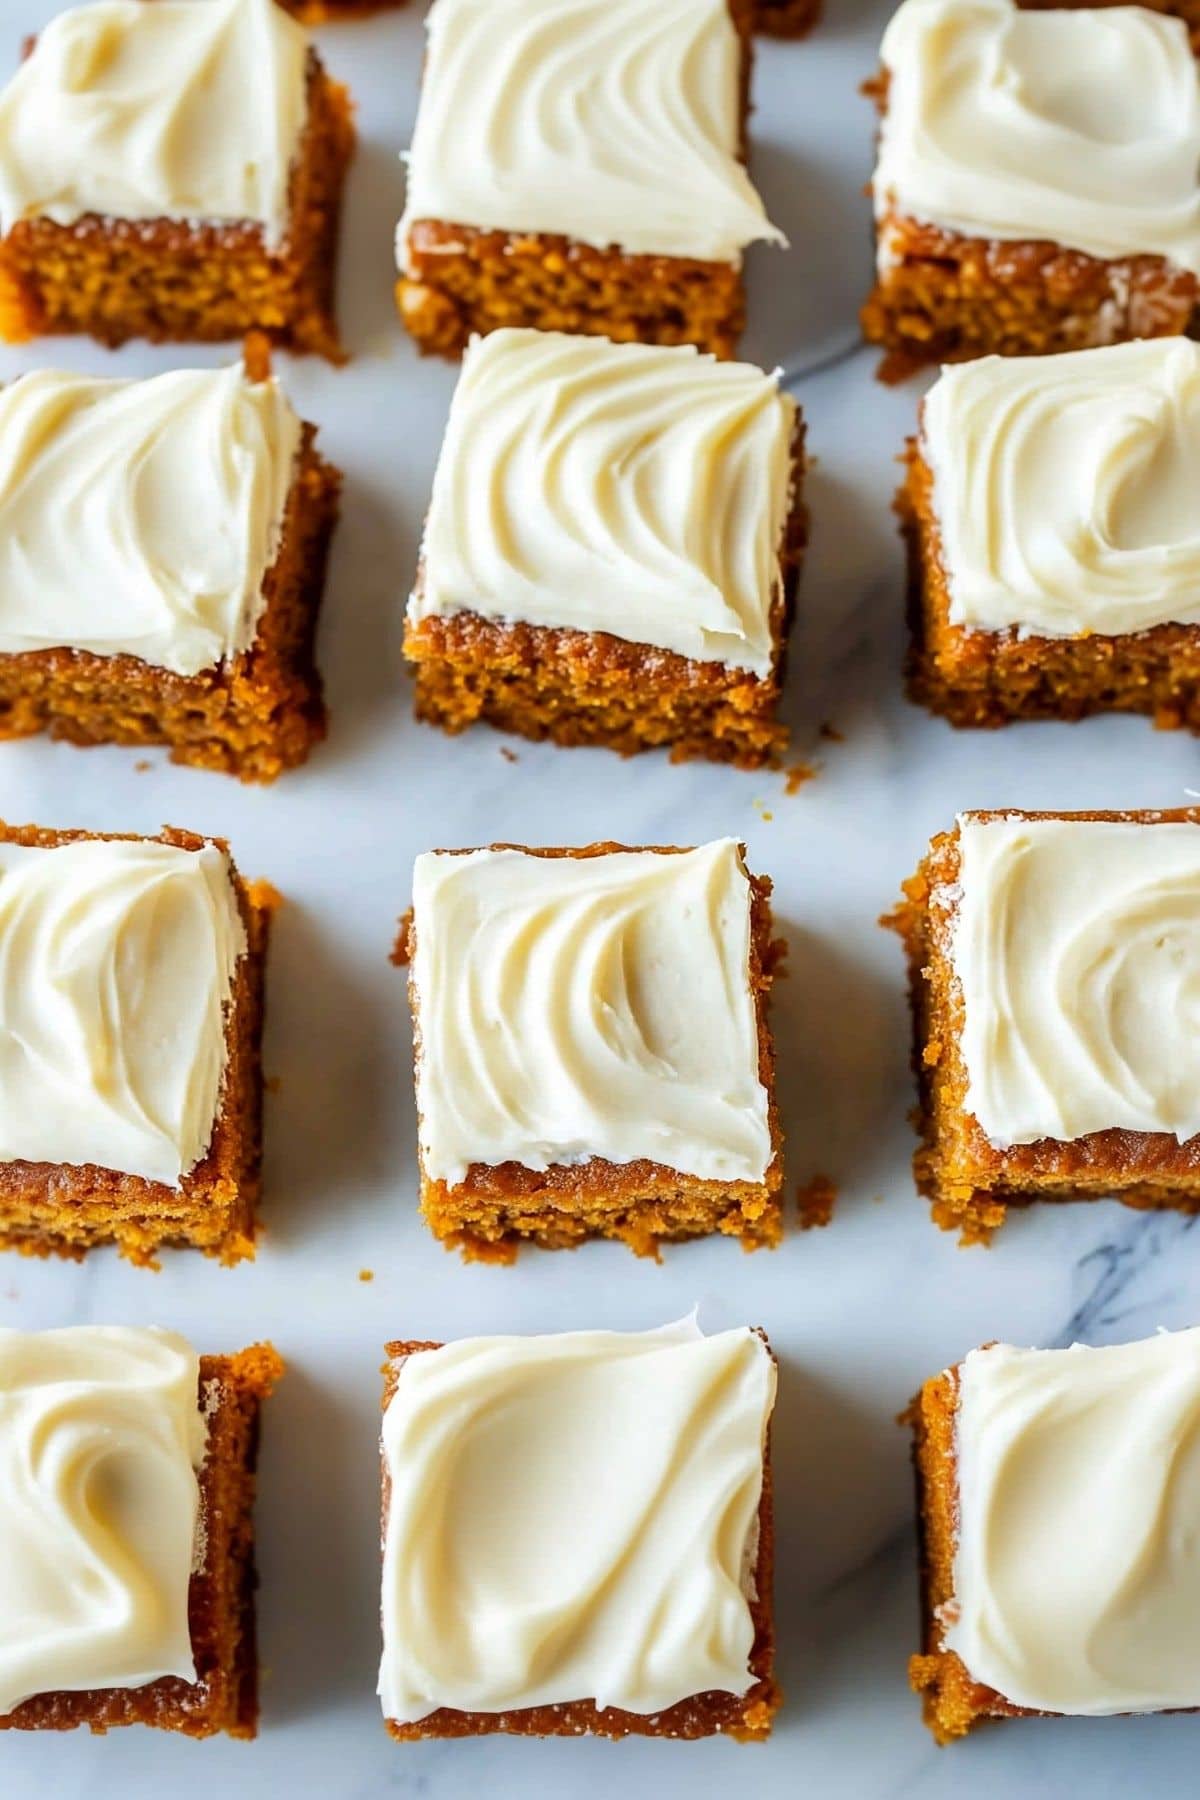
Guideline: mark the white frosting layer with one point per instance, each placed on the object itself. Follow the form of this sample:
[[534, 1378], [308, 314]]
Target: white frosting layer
[[1077, 1570], [579, 1007], [604, 120], [612, 487], [1077, 947], [186, 109], [100, 1438], [1078, 127], [141, 516], [116, 964], [573, 1518], [1067, 489]]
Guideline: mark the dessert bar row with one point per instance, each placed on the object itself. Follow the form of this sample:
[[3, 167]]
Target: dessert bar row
[[611, 552], [563, 1090], [578, 1533]]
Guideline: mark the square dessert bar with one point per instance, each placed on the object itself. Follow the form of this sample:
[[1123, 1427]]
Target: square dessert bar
[[577, 165], [130, 1033], [612, 548], [1052, 512], [172, 170], [601, 1562], [1058, 1492], [1012, 217], [593, 1057], [162, 560], [127, 1531], [1052, 961]]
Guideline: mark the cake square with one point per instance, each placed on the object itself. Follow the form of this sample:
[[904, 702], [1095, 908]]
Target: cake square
[[529, 201], [1037, 186], [1051, 516], [130, 1039], [1050, 957], [612, 548], [564, 1090], [1057, 1495], [602, 1562], [193, 624], [172, 171], [160, 1521]]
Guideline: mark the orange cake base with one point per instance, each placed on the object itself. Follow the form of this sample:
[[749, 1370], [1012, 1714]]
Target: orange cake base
[[224, 1696], [746, 1717], [786, 18], [578, 687], [988, 678], [971, 1183], [66, 1209], [499, 1206], [171, 281]]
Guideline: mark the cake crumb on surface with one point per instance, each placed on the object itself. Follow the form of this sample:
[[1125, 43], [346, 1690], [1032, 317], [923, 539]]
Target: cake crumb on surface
[[798, 774], [816, 1200], [366, 1274]]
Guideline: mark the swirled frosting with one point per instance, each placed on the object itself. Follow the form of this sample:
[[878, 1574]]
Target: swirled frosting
[[1077, 1567], [604, 120], [100, 1438], [1077, 948], [1078, 127], [612, 487], [578, 1007], [187, 109], [141, 516], [1065, 489], [116, 964], [573, 1518]]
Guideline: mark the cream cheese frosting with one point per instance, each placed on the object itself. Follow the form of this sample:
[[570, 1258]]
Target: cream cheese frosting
[[140, 517], [101, 1436], [1076, 945], [116, 966], [1079, 127], [1066, 489], [604, 120], [186, 109], [573, 1517], [579, 1007], [622, 488], [1077, 1566]]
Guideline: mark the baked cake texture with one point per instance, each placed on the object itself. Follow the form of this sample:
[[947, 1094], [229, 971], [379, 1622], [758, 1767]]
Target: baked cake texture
[[1011, 217], [786, 18], [585, 96], [1056, 1494], [611, 1114], [641, 1517], [1050, 509], [163, 546], [1049, 962], [167, 1498], [139, 1121], [229, 226], [631, 579]]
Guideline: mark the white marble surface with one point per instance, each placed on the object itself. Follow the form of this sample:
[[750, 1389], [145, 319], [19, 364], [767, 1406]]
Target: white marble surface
[[861, 1312]]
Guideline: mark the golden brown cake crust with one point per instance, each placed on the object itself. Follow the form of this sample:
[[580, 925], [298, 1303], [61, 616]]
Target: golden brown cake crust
[[224, 1697], [786, 18], [747, 1717], [580, 687], [66, 1209], [171, 281], [969, 1181], [499, 1206]]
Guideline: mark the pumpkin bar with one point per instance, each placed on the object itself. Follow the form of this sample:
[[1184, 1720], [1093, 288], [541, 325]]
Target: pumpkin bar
[[1052, 959], [172, 170], [632, 577], [1011, 216], [131, 1015], [127, 1532], [593, 1057], [580, 168], [603, 1563]]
